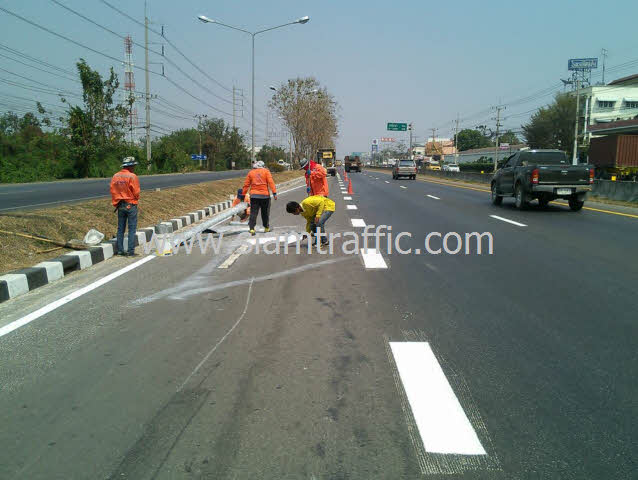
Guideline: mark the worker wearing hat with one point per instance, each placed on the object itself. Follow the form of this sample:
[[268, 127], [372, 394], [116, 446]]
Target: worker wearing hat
[[316, 178], [259, 181], [125, 193]]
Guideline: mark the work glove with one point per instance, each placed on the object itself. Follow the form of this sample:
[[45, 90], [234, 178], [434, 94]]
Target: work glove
[[274, 195], [308, 190]]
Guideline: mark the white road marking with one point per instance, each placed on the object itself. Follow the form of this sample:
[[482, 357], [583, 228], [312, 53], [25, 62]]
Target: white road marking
[[372, 259], [347, 198], [387, 181], [351, 207], [403, 186], [442, 423], [234, 256], [508, 221], [432, 196], [70, 297], [357, 222]]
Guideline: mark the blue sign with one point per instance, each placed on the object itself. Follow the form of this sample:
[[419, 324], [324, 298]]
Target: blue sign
[[195, 156], [582, 63], [375, 148]]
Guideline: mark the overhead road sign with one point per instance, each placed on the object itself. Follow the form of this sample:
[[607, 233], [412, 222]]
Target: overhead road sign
[[397, 127], [582, 63]]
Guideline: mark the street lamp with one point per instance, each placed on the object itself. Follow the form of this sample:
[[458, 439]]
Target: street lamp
[[301, 21]]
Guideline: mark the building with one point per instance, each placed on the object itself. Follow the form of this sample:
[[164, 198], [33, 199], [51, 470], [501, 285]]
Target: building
[[616, 101]]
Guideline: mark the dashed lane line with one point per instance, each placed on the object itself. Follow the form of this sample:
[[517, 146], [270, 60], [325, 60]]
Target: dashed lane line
[[432, 196], [508, 221], [358, 222], [351, 207], [372, 259]]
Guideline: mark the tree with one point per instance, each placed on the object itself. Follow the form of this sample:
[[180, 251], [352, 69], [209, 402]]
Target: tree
[[309, 112], [509, 137], [468, 139], [271, 154], [553, 126], [95, 126]]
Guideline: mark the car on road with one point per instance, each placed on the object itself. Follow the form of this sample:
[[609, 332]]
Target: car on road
[[451, 167], [404, 168], [432, 166], [544, 175]]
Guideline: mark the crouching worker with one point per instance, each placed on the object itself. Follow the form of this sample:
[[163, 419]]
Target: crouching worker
[[243, 216], [316, 210]]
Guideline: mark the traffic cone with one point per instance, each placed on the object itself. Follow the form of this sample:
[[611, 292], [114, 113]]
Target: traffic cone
[[350, 187]]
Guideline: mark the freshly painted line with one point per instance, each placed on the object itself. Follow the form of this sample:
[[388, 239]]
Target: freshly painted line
[[508, 221], [372, 259], [243, 314], [351, 207], [403, 186], [442, 423], [432, 196], [347, 198], [70, 297], [387, 181], [357, 222], [234, 256]]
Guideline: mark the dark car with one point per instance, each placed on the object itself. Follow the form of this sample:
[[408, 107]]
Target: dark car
[[544, 175], [404, 168]]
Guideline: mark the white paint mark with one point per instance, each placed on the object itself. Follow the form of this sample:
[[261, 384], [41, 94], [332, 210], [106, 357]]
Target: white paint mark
[[386, 181], [351, 207], [233, 257], [347, 198], [70, 297], [508, 221], [357, 222], [372, 258], [403, 187], [442, 423], [243, 314], [432, 196]]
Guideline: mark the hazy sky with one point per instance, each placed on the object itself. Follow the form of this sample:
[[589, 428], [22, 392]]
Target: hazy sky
[[418, 61]]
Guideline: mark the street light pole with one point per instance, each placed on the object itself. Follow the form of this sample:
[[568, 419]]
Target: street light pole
[[301, 20]]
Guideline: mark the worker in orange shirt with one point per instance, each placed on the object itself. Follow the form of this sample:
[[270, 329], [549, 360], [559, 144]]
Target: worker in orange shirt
[[316, 178], [243, 216], [125, 193], [259, 181]]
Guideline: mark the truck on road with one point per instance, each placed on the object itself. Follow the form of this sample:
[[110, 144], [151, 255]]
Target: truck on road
[[544, 175], [328, 158], [352, 163]]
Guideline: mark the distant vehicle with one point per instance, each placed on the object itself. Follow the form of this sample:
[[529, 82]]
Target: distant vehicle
[[544, 175], [284, 164], [327, 157], [614, 155], [352, 163], [404, 168], [433, 166], [451, 167]]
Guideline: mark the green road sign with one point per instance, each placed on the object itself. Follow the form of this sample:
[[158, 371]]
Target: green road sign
[[397, 127]]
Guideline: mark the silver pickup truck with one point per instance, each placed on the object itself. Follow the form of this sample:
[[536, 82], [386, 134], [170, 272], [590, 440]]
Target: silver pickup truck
[[404, 168]]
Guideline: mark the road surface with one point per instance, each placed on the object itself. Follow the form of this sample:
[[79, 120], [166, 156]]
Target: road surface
[[51, 194], [517, 365]]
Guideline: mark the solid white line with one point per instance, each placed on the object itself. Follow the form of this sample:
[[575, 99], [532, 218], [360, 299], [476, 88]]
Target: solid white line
[[508, 221], [357, 222], [70, 297], [387, 181], [234, 256], [347, 198], [442, 423], [435, 198], [403, 186], [372, 259], [199, 365], [52, 203], [351, 207]]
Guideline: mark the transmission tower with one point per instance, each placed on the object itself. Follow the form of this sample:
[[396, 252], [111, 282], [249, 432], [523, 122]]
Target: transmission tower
[[129, 87]]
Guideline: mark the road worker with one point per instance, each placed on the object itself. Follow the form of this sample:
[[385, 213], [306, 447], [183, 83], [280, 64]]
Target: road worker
[[243, 216], [316, 209], [309, 166], [125, 193], [259, 181]]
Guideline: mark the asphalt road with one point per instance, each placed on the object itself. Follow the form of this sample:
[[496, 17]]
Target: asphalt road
[[49, 194], [515, 365]]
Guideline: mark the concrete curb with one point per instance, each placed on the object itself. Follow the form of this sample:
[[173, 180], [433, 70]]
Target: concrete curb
[[22, 281]]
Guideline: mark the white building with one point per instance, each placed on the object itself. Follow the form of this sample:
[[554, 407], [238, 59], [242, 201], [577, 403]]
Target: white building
[[618, 100]]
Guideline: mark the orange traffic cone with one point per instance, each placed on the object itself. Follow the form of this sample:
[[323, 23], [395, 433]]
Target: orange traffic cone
[[350, 187]]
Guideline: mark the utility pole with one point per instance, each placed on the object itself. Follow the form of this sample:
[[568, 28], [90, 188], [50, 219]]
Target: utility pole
[[234, 121], [148, 92], [199, 130], [456, 140], [498, 109], [433, 139], [410, 150], [604, 55], [575, 151]]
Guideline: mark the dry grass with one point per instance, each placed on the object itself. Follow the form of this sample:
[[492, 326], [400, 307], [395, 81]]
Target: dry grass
[[68, 222]]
